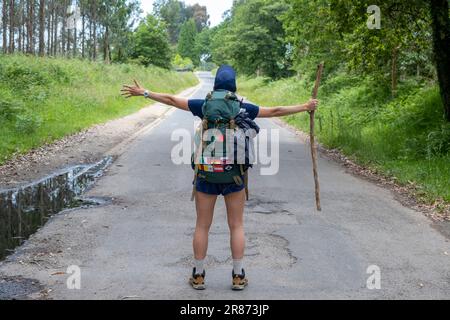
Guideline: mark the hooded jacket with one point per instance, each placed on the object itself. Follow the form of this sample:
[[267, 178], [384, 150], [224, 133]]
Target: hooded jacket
[[225, 79]]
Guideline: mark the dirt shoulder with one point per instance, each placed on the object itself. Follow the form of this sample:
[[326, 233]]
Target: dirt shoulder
[[87, 146]]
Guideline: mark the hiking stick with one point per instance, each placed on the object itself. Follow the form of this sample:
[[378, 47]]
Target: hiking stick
[[312, 139]]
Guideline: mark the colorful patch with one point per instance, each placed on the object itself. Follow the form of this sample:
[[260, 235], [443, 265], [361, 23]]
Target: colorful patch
[[208, 168]]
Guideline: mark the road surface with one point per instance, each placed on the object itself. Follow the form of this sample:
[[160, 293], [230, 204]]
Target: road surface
[[139, 246]]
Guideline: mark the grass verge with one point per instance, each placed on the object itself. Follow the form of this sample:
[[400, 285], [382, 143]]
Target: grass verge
[[44, 99], [405, 137]]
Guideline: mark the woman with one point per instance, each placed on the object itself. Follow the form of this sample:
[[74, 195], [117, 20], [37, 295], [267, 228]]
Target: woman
[[206, 193]]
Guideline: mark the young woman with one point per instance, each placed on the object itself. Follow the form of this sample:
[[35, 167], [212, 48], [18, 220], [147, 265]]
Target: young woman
[[206, 193]]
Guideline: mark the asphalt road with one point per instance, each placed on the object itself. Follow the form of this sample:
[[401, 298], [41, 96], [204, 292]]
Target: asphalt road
[[139, 247]]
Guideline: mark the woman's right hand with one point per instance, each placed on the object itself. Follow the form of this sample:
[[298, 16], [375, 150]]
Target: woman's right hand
[[132, 91]]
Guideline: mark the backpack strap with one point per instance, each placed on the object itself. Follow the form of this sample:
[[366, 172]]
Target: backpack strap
[[204, 127], [245, 174], [246, 184], [238, 180], [232, 124], [194, 187]]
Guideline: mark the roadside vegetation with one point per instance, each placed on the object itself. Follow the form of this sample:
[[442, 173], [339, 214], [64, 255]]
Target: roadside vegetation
[[404, 137], [44, 99]]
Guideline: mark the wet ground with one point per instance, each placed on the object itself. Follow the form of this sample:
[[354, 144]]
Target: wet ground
[[24, 210]]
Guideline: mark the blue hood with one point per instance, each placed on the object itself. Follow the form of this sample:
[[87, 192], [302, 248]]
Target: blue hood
[[225, 79]]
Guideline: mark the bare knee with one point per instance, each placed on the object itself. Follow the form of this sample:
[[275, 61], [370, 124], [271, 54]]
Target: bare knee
[[203, 225], [235, 224]]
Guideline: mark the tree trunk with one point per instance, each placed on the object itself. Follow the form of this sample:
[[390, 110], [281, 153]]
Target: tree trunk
[[69, 35], [83, 32], [90, 38], [5, 26], [55, 29], [23, 29], [20, 21], [11, 26], [94, 52], [441, 44], [64, 27], [30, 24], [107, 56], [49, 30], [41, 27], [33, 27], [74, 43], [68, 40], [394, 72]]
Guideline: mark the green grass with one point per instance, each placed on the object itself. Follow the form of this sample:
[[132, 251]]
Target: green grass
[[44, 99], [404, 137]]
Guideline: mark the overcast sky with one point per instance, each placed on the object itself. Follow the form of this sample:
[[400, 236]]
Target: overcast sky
[[215, 8]]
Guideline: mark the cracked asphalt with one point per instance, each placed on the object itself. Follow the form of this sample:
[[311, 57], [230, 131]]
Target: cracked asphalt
[[139, 245]]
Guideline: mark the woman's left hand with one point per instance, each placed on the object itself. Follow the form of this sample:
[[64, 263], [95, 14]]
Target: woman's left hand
[[132, 91], [312, 104]]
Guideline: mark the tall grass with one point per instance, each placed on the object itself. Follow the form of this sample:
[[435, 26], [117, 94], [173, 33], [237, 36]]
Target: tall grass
[[43, 99], [405, 137]]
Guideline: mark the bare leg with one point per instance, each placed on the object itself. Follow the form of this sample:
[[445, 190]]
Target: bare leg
[[235, 203], [205, 210]]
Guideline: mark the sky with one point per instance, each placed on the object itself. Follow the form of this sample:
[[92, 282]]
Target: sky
[[215, 8]]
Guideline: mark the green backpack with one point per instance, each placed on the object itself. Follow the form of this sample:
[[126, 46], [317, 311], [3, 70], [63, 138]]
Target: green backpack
[[210, 160]]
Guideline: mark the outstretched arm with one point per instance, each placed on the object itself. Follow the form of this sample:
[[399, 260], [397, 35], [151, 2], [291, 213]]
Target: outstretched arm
[[171, 100], [285, 111]]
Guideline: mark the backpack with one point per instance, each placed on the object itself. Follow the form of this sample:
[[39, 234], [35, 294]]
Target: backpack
[[223, 153]]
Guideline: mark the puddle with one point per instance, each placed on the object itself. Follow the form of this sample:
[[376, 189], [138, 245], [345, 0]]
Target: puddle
[[23, 210], [263, 206], [18, 288]]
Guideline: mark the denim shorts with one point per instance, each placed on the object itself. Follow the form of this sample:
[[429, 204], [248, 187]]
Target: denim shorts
[[217, 188]]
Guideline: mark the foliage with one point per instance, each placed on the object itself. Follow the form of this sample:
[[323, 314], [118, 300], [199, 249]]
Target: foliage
[[187, 41], [182, 64], [175, 13], [151, 43], [253, 39], [43, 99], [406, 137]]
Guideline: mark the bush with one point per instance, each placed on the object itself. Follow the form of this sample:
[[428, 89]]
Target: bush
[[438, 141], [10, 108], [28, 123], [182, 64]]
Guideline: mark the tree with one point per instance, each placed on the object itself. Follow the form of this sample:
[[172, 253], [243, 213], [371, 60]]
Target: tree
[[218, 39], [175, 13], [199, 14], [203, 45], [11, 25], [41, 27], [5, 26], [441, 41], [117, 18], [93, 29], [182, 64], [30, 26], [151, 43], [337, 31], [254, 39], [171, 12], [186, 43]]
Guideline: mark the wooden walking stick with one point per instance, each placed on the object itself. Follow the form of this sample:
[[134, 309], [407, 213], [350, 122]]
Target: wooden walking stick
[[312, 139]]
